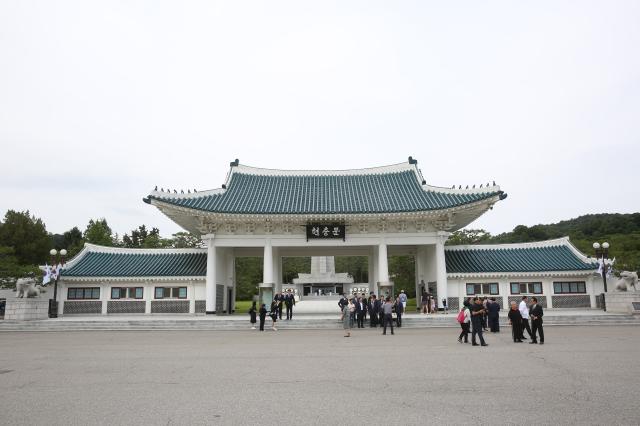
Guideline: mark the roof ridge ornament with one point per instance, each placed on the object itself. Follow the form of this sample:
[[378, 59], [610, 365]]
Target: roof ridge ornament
[[234, 163], [412, 160]]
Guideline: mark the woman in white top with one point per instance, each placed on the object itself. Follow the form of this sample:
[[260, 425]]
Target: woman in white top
[[465, 315]]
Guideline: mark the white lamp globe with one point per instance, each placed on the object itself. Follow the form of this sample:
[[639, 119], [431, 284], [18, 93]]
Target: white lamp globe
[[53, 252], [605, 245], [596, 246], [63, 252]]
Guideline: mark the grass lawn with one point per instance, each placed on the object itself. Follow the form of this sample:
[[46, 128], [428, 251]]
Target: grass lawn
[[242, 307]]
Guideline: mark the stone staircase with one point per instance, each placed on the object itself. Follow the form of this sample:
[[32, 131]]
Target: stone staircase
[[300, 322]]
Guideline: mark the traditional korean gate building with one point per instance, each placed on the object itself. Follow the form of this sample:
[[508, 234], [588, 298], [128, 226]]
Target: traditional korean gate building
[[375, 212]]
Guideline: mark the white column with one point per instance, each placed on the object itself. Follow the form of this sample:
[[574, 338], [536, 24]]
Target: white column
[[266, 286], [148, 294], [231, 280], [371, 269], [441, 267], [62, 297], [105, 294], [267, 272], [192, 298], [211, 274], [383, 263]]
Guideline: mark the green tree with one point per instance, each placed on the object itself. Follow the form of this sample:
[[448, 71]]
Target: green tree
[[99, 232], [185, 240], [27, 236], [469, 236], [248, 276]]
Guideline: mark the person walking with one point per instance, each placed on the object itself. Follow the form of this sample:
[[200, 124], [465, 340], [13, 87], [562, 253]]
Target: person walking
[[403, 300], [464, 318], [263, 316], [252, 315], [524, 311], [536, 321], [361, 311], [400, 306], [346, 319], [477, 311], [280, 297], [289, 301], [494, 315], [274, 314], [424, 302], [515, 319], [434, 308], [387, 311], [373, 308]]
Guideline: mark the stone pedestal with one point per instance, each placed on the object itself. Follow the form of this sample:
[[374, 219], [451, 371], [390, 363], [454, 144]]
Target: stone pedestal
[[26, 309], [623, 302]]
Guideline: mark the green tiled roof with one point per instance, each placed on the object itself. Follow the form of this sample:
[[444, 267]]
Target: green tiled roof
[[395, 192], [520, 259], [127, 264]]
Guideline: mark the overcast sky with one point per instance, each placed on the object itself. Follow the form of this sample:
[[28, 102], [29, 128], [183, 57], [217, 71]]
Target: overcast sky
[[101, 101]]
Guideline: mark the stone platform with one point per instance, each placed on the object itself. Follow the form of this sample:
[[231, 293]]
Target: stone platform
[[300, 322], [623, 302], [26, 309]]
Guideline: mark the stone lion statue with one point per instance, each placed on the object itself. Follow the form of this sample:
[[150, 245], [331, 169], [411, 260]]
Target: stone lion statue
[[628, 281], [26, 287]]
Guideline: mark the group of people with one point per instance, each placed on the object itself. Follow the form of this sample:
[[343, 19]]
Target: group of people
[[519, 316], [355, 309], [480, 314], [275, 310]]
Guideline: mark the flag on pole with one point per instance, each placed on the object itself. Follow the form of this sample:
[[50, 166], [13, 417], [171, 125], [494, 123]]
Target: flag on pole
[[47, 275], [610, 269], [599, 266]]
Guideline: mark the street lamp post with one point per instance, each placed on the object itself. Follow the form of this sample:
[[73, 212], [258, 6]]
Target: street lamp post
[[55, 260], [602, 253]]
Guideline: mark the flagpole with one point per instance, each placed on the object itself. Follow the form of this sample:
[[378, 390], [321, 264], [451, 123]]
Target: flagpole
[[53, 304]]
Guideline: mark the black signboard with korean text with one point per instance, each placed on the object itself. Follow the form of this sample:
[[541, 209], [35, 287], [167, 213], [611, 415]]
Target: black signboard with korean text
[[325, 231]]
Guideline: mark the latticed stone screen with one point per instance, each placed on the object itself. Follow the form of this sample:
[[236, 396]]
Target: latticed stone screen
[[126, 306], [92, 307], [201, 306], [541, 299], [170, 307], [453, 303], [574, 301]]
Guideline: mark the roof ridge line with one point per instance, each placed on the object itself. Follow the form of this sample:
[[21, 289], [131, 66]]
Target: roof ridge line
[[95, 248], [386, 169], [562, 241]]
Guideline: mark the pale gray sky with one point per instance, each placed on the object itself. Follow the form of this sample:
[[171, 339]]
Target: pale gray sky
[[101, 101]]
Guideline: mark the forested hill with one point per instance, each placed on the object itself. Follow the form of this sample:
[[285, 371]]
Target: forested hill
[[621, 231]]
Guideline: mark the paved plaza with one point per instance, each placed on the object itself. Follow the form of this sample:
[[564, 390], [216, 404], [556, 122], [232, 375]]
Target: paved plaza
[[583, 375]]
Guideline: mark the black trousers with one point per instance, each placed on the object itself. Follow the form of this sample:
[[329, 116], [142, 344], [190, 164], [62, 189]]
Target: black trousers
[[399, 320], [516, 332], [289, 312], [465, 331], [387, 320], [494, 322], [280, 311], [360, 318], [373, 320], [525, 326], [537, 327], [477, 329], [262, 319]]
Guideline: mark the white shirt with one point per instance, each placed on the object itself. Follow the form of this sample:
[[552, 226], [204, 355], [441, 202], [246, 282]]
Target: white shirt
[[524, 310]]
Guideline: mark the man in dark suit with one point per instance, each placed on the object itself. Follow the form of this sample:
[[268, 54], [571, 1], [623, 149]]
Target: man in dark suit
[[494, 315], [289, 301], [361, 310], [342, 302], [373, 309], [536, 321], [279, 300], [399, 311]]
